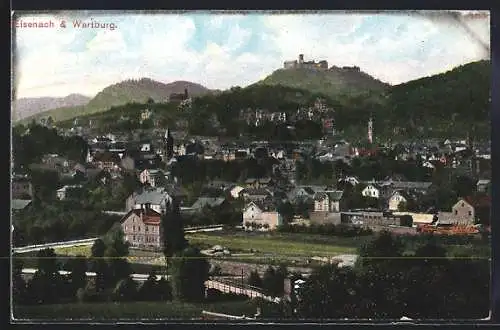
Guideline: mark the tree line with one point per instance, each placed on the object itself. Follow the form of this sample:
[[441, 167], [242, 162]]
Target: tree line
[[388, 283]]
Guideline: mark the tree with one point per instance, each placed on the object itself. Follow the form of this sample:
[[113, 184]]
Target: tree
[[464, 186], [78, 276], [189, 271], [46, 283], [172, 231], [99, 265], [117, 249], [254, 279], [286, 211], [327, 293], [148, 291], [164, 289], [125, 290], [18, 283], [269, 281]]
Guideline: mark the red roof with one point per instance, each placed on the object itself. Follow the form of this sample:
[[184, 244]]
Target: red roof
[[148, 216]]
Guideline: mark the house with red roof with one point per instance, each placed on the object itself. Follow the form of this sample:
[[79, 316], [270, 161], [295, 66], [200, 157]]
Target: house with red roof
[[142, 227]]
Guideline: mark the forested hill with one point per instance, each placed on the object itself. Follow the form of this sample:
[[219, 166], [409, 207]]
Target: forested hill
[[458, 97], [128, 91]]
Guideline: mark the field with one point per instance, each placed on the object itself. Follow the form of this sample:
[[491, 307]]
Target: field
[[132, 310], [281, 245]]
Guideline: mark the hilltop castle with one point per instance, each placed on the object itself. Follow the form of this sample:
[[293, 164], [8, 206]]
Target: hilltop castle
[[300, 64]]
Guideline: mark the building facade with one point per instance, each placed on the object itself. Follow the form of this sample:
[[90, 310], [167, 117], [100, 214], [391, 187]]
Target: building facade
[[142, 228]]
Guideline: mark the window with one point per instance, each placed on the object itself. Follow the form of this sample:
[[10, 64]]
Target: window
[[456, 212], [463, 204], [134, 229], [146, 228], [470, 213]]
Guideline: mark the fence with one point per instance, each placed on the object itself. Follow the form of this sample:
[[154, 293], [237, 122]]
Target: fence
[[231, 286], [28, 248], [219, 316]]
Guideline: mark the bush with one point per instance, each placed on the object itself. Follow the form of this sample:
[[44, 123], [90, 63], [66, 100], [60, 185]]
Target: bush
[[254, 279], [341, 230], [88, 294], [125, 290], [215, 270]]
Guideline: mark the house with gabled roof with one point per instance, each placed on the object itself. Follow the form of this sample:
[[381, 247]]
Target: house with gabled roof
[[18, 205], [142, 227], [300, 194], [328, 201], [398, 197], [371, 190], [483, 185], [472, 209], [263, 216], [107, 160], [153, 177], [158, 199], [254, 194], [209, 202]]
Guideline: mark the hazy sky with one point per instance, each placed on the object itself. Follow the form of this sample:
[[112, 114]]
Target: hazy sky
[[220, 51]]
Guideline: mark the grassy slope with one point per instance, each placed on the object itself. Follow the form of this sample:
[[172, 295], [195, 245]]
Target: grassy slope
[[333, 83], [131, 311]]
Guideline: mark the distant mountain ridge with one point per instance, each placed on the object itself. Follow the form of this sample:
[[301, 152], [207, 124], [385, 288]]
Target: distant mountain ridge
[[128, 91], [25, 107]]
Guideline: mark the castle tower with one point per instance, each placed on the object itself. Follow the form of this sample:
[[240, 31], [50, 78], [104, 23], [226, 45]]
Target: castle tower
[[370, 130], [169, 144], [301, 61]]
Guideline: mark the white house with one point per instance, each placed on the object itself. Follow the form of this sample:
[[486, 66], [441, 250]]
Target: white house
[[371, 191], [396, 198], [256, 216], [153, 177], [235, 191], [145, 115], [146, 147], [328, 201]]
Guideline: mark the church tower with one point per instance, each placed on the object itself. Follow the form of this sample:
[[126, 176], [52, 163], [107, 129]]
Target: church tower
[[370, 130], [169, 144]]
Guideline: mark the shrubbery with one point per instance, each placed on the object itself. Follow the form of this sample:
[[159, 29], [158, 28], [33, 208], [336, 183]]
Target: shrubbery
[[326, 229]]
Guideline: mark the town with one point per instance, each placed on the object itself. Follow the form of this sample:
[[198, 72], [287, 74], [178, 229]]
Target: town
[[240, 200]]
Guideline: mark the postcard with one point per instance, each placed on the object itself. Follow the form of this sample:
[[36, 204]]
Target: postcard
[[250, 166]]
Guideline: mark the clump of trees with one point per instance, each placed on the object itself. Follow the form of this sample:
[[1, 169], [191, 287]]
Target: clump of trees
[[386, 283]]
